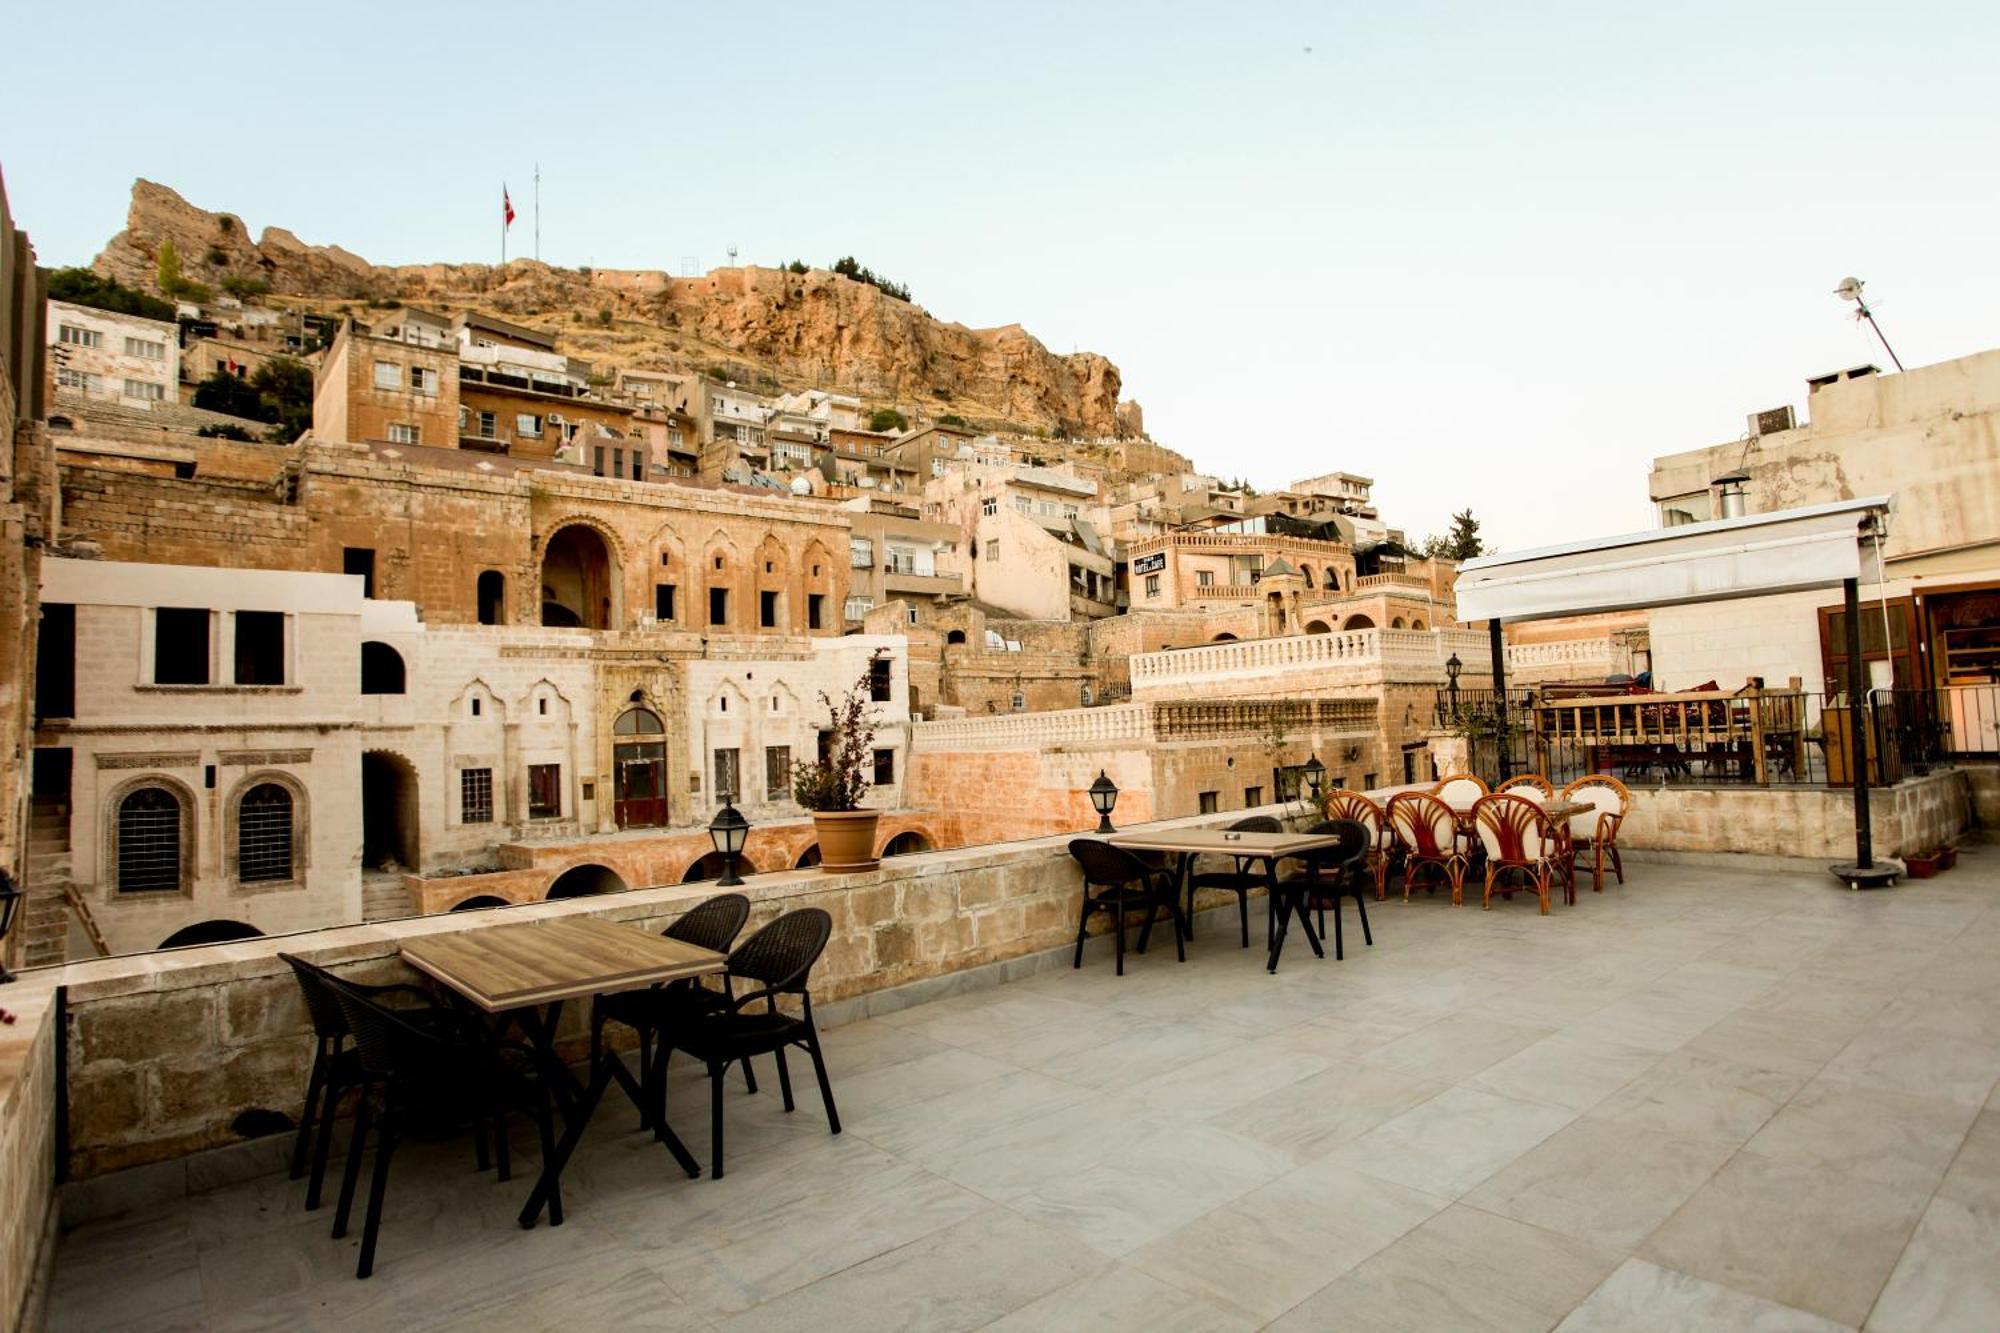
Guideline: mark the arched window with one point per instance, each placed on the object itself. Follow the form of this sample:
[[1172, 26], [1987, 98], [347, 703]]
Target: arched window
[[638, 722], [1397, 623], [1087, 694], [492, 597], [1416, 624], [955, 636], [1307, 570], [264, 834], [1332, 580], [149, 842], [381, 669]]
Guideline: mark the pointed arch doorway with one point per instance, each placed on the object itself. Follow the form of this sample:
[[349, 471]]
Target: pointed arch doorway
[[639, 758]]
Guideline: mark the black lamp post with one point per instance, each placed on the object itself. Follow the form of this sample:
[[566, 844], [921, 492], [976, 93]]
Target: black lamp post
[[728, 831], [1315, 775], [1103, 799], [10, 903], [1452, 666]]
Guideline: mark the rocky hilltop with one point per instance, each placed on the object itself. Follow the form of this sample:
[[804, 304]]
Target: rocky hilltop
[[815, 328]]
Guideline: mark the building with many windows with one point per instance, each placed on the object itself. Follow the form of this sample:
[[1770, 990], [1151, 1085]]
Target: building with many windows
[[120, 358]]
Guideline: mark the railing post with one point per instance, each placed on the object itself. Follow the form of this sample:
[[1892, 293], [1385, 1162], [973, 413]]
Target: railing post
[[1497, 645]]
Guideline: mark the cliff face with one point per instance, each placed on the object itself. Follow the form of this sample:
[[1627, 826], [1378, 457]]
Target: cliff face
[[816, 327]]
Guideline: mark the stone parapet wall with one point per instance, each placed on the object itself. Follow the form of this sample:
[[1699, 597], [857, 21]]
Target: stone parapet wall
[[28, 1099], [1811, 823]]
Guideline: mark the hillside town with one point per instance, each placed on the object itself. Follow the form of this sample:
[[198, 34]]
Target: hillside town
[[344, 601]]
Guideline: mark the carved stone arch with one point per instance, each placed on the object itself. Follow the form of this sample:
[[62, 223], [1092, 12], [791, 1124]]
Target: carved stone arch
[[738, 702], [493, 709], [565, 706], [232, 821], [115, 799], [815, 552], [579, 585]]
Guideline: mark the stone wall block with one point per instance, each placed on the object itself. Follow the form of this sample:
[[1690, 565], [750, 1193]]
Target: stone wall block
[[147, 1027], [262, 1009]]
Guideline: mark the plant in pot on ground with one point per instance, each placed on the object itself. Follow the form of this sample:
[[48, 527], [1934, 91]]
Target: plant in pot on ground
[[834, 787]]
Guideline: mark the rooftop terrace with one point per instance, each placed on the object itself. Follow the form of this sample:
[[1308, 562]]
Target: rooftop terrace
[[1709, 1098]]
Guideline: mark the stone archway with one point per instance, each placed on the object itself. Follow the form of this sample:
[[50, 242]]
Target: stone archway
[[907, 843], [586, 881], [579, 579], [210, 932], [480, 901], [1357, 622], [390, 817], [1318, 627]]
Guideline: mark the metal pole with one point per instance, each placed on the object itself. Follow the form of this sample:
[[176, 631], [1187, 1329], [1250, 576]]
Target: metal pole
[[1498, 646], [538, 212], [1869, 315], [1857, 730]]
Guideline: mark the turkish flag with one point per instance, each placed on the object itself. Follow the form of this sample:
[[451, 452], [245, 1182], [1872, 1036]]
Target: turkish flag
[[506, 208]]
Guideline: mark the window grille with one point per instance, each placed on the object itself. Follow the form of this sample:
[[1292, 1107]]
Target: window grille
[[264, 834], [149, 841]]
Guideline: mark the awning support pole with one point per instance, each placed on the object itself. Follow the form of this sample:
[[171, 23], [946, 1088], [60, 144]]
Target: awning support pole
[[1498, 645], [1858, 727]]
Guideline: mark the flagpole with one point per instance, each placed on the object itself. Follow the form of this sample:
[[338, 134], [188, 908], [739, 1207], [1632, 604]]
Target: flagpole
[[538, 212], [503, 224]]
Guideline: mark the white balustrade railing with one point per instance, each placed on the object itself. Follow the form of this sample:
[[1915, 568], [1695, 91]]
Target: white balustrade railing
[[1416, 650], [1561, 652], [1143, 724]]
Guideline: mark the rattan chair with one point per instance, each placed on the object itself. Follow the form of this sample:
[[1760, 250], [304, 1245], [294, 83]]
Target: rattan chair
[[418, 1075], [779, 958], [1456, 789], [1427, 830], [711, 924], [1344, 804], [1339, 872], [1518, 837], [1239, 879], [1124, 884], [336, 1065], [1533, 786], [1598, 831]]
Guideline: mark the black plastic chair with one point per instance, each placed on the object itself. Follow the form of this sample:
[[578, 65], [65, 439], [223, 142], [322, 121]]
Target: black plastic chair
[[1336, 873], [1239, 880], [336, 1066], [711, 924], [780, 959], [1124, 884], [414, 1076]]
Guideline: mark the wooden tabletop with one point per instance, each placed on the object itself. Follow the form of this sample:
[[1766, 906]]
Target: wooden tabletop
[[1232, 844], [511, 967]]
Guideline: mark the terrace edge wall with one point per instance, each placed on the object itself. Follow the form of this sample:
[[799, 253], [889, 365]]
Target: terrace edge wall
[[28, 1105]]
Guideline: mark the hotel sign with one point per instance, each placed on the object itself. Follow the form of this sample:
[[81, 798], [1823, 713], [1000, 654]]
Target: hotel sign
[[1150, 564]]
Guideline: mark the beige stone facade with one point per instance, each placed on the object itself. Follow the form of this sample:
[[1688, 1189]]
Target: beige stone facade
[[116, 357]]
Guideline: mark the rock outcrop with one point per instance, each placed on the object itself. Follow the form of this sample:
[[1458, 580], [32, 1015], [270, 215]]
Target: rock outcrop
[[816, 328]]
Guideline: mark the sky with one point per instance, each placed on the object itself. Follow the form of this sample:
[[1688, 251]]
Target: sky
[[1495, 257]]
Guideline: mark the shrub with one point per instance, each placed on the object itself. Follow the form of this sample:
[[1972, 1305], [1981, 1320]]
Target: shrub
[[797, 266], [79, 286], [954, 419], [887, 418], [225, 224], [849, 267], [243, 288], [172, 283], [217, 256], [227, 432], [604, 317]]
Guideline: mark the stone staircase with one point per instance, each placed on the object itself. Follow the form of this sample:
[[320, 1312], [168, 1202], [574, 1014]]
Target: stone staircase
[[45, 913], [384, 897]]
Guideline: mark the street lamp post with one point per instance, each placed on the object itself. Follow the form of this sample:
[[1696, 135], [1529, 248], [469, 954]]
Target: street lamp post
[[728, 831], [1452, 666]]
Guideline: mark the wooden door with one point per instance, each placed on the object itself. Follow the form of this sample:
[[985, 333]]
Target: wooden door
[[639, 799]]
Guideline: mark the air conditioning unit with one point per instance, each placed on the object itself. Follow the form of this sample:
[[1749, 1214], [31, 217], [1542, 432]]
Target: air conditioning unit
[[1772, 420]]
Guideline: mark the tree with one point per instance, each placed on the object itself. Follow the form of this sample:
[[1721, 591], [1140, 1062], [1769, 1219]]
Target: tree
[[279, 392], [172, 283], [953, 419], [1461, 543], [850, 267], [887, 419], [224, 392], [797, 266], [80, 286]]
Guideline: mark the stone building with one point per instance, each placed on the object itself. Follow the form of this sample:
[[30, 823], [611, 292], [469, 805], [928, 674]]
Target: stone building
[[122, 358], [896, 555], [393, 390]]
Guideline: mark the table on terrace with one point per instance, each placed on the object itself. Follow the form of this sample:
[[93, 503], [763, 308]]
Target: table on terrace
[[523, 974], [1270, 848]]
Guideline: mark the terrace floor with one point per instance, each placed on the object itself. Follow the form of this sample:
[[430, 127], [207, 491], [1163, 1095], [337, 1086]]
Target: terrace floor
[[1712, 1098]]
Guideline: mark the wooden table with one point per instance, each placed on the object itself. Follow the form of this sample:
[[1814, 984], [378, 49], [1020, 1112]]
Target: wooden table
[[524, 973], [1270, 848]]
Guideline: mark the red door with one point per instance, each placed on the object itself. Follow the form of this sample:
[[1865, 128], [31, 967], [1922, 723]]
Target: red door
[[640, 800]]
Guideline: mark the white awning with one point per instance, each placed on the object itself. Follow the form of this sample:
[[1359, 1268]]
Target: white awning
[[1790, 550]]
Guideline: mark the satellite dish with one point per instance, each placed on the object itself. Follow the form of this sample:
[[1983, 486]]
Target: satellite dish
[[802, 486], [1849, 289]]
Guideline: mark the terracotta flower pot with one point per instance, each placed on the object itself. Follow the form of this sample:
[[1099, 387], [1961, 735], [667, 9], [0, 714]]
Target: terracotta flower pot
[[846, 839]]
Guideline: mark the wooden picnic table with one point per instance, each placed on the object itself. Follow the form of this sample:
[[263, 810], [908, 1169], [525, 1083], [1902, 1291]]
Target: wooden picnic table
[[1270, 848], [524, 973]]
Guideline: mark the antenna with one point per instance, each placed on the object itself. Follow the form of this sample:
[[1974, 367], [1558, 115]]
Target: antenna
[[1850, 290], [732, 254]]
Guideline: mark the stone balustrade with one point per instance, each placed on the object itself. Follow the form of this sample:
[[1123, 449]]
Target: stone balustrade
[[1593, 654], [1131, 725], [1371, 654], [1392, 580]]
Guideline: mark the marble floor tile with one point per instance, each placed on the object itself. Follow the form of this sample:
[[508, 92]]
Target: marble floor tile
[[1452, 1142], [1974, 1176], [1949, 1275], [1905, 1059], [1464, 1269], [1312, 1117], [1280, 1243], [1645, 1298], [963, 1277], [1455, 1048], [1701, 1096], [1868, 1132], [1793, 1233], [1603, 1181], [1766, 1040], [1571, 1072], [1120, 1296]]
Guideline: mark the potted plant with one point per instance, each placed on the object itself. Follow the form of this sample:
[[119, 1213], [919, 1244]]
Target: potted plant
[[833, 788]]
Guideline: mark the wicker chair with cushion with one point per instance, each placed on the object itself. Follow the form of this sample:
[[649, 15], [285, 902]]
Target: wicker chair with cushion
[[419, 1075], [714, 924], [779, 958], [1518, 839], [1336, 873], [1427, 831], [1531, 785], [336, 1066], [1231, 874], [1344, 804], [1599, 830], [1460, 789]]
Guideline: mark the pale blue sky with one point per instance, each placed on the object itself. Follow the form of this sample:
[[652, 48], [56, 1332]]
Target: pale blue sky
[[1497, 259]]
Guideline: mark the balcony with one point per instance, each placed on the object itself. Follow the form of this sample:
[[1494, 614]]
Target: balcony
[[896, 579], [1664, 1089], [1307, 661]]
